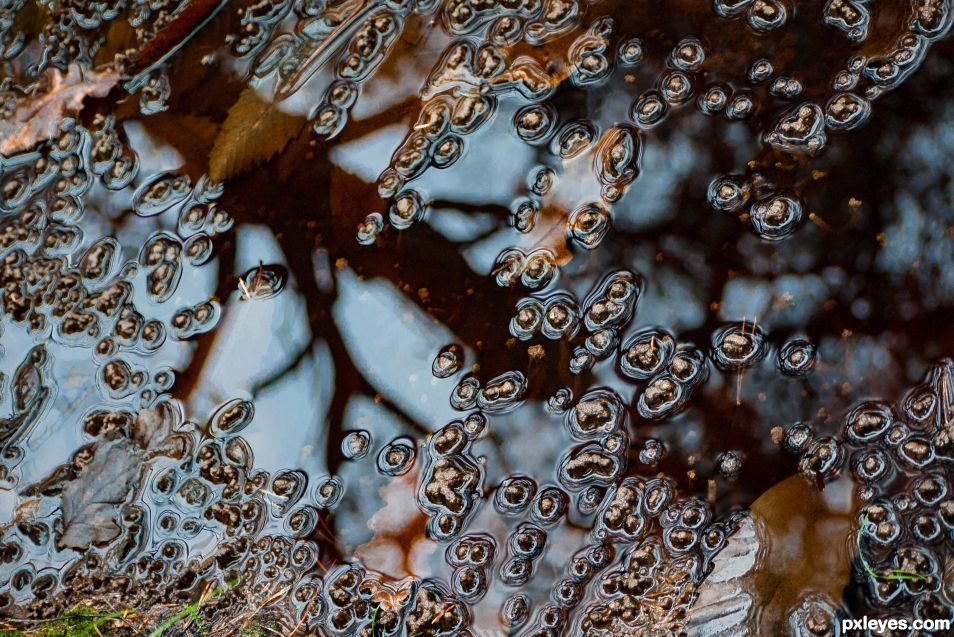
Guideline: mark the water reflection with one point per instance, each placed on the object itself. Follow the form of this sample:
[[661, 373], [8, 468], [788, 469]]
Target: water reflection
[[458, 419]]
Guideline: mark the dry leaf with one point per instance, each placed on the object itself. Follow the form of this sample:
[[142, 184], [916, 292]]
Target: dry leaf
[[253, 132], [38, 118]]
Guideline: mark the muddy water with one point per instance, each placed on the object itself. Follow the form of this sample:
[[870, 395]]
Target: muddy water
[[516, 318]]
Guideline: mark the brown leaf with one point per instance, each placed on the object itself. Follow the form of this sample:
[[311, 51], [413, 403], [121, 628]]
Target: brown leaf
[[120, 38], [185, 25], [252, 133], [30, 20], [91, 502], [37, 118], [794, 545]]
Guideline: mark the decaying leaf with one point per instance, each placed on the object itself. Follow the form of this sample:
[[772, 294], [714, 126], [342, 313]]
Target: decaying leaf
[[90, 511], [30, 19], [794, 546], [91, 501], [38, 117], [253, 132], [180, 29]]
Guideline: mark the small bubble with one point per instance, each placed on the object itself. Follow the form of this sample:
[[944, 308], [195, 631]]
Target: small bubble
[[541, 180], [676, 87], [631, 52], [231, 418], [447, 151], [581, 361], [796, 357], [448, 361], [652, 453], [503, 393], [549, 506], [514, 494], [737, 346], [688, 55], [370, 228], [776, 217], [801, 129], [515, 611], [508, 267], [465, 393], [560, 401], [161, 193], [539, 269], [740, 107], [528, 319], [617, 161], [646, 353], [535, 123], [588, 225], [728, 193], [356, 445], [760, 71], [766, 15], [823, 460], [649, 109], [561, 317], [406, 209], [397, 457], [846, 111], [263, 282], [787, 87], [573, 139], [714, 99], [730, 464], [663, 396], [328, 492], [524, 215]]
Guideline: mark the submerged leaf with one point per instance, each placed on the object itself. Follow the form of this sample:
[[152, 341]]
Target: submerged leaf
[[38, 118], [253, 132], [90, 503], [793, 548], [179, 30]]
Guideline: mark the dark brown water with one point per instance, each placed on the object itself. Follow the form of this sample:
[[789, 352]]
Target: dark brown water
[[477, 317]]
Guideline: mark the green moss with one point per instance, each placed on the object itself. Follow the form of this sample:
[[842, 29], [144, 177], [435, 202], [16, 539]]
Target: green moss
[[76, 622], [892, 574], [87, 622]]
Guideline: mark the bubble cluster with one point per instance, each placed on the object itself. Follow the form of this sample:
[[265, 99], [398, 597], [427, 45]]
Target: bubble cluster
[[533, 270], [655, 567], [471, 555], [154, 508], [668, 373], [450, 481]]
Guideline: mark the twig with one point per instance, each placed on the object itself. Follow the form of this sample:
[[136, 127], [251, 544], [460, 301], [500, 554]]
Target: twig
[[304, 613]]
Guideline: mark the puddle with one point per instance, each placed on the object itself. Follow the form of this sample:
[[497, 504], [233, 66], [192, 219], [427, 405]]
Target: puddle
[[534, 317]]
